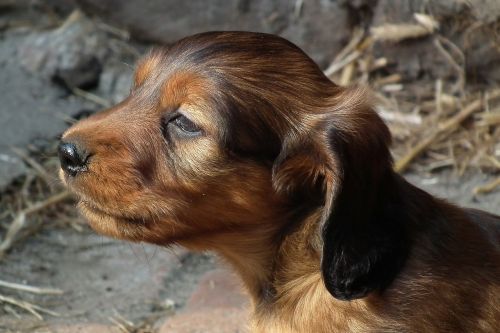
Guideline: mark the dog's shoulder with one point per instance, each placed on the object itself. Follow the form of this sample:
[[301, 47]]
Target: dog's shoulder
[[488, 221]]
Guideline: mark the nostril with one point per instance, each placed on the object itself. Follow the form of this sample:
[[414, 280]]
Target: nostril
[[72, 159]]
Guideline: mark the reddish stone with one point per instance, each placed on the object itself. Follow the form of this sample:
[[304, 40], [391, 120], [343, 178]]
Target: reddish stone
[[85, 328], [218, 305], [218, 288], [218, 320]]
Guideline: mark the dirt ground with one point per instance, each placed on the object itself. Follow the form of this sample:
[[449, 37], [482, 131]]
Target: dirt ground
[[104, 281]]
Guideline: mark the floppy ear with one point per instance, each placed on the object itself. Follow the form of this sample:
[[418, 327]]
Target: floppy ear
[[363, 224]]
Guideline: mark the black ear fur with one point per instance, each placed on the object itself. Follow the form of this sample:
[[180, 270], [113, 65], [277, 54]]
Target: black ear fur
[[364, 236], [367, 206]]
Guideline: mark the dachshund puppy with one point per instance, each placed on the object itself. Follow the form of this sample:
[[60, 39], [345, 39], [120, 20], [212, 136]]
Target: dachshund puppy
[[236, 142]]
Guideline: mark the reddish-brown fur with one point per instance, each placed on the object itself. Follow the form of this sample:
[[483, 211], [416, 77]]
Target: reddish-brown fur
[[290, 180]]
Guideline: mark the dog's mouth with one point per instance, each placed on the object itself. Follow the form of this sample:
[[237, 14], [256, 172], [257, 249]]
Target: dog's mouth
[[111, 224], [88, 206]]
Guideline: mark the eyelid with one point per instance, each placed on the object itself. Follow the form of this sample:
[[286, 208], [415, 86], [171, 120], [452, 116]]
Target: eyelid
[[173, 114], [170, 117], [178, 115]]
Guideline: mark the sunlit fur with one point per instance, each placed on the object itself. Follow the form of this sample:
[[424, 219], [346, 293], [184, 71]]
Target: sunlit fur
[[290, 181]]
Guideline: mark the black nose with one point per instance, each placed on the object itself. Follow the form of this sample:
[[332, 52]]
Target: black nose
[[72, 159]]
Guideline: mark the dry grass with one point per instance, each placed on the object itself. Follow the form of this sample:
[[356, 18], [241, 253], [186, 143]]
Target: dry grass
[[441, 124], [34, 201]]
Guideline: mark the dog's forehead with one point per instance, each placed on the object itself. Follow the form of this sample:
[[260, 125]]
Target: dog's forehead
[[169, 84], [235, 77], [170, 80], [146, 65]]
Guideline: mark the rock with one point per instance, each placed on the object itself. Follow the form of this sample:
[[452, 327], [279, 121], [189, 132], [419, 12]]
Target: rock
[[85, 328], [115, 81], [322, 29], [72, 53], [219, 288], [216, 306], [85, 74], [11, 166], [207, 321], [319, 27], [30, 109]]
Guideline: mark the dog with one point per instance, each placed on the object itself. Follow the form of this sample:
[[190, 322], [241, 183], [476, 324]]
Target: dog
[[236, 142]]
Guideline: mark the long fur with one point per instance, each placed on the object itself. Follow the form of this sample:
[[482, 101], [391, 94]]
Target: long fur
[[290, 180]]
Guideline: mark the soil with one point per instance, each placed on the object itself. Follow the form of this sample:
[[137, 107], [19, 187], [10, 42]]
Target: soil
[[101, 278]]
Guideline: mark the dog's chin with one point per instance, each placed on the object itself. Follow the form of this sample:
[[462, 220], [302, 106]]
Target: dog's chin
[[111, 225], [128, 228]]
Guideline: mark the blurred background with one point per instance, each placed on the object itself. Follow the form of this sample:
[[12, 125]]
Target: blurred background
[[434, 66]]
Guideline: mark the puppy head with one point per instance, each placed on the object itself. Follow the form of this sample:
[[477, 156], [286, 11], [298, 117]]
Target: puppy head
[[228, 131], [189, 152]]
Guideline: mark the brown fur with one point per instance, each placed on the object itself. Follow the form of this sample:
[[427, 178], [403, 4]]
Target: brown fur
[[290, 180]]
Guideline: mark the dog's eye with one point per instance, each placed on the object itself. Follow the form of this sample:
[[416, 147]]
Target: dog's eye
[[185, 124], [181, 125]]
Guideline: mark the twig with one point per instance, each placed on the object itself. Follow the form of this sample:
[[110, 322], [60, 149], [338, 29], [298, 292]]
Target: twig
[[91, 97], [448, 102], [393, 87], [438, 92], [442, 129], [120, 33], [494, 161], [490, 118], [458, 68], [336, 66], [297, 8], [350, 52], [390, 79], [356, 39], [30, 176], [30, 307], [122, 319], [30, 289], [378, 63], [12, 311], [347, 74], [397, 32], [18, 223], [440, 164], [21, 304], [487, 187], [44, 310], [453, 47], [393, 116], [35, 165], [120, 326], [75, 16]]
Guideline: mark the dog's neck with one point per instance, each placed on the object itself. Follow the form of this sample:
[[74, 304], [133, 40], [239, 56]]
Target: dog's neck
[[270, 255], [262, 253], [284, 278], [279, 264]]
